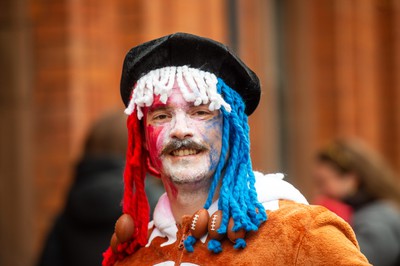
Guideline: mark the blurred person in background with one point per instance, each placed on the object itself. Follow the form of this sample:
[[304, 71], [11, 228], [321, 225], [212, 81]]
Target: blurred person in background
[[356, 183], [81, 232]]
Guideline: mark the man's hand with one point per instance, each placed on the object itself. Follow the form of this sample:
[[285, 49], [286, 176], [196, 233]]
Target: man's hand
[[123, 232]]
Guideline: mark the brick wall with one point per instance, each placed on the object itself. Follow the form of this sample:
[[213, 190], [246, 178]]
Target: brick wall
[[16, 199], [341, 59], [51, 107]]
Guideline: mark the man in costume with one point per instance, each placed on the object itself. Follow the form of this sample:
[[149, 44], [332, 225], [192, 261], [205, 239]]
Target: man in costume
[[188, 99]]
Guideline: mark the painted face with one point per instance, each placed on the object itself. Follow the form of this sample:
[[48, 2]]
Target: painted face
[[184, 141]]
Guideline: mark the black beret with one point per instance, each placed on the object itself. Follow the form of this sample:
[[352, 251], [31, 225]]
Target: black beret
[[181, 49]]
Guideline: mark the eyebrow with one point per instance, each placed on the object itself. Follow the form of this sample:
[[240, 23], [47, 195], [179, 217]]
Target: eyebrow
[[160, 106], [157, 107]]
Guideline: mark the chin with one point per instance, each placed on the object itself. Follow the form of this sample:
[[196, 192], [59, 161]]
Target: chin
[[188, 172], [183, 179]]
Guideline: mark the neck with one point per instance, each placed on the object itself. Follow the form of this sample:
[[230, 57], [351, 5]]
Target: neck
[[186, 199]]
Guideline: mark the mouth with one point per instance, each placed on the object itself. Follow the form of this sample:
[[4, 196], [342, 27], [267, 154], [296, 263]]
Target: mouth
[[181, 148], [184, 152]]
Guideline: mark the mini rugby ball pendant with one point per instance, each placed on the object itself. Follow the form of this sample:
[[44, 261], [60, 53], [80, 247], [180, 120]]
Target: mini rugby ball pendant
[[213, 225], [234, 235], [124, 228], [199, 223]]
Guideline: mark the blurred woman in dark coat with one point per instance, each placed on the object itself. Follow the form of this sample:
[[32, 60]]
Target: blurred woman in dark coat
[[359, 180], [82, 231]]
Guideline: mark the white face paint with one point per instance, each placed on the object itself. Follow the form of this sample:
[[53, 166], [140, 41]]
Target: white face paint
[[179, 121]]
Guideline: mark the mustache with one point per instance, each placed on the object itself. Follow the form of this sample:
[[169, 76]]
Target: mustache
[[176, 144]]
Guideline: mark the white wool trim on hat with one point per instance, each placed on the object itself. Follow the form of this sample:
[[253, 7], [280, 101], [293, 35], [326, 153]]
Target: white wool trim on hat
[[197, 86]]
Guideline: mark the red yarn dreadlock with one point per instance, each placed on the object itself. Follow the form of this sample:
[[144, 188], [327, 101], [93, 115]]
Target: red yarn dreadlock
[[135, 201]]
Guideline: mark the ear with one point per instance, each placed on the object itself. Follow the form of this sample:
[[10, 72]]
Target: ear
[[143, 132], [150, 168]]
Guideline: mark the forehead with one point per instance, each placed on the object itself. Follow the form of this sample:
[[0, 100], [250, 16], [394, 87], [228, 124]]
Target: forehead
[[176, 103], [175, 100]]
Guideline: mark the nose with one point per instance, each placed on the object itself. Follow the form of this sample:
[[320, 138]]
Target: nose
[[182, 127]]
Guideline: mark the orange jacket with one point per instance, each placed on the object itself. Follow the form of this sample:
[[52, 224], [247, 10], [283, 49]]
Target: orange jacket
[[294, 234]]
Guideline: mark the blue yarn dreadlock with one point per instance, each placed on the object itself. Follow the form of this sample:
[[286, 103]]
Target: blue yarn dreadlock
[[237, 197]]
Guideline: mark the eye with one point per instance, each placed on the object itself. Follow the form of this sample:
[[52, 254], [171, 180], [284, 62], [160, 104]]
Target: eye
[[202, 113], [159, 117]]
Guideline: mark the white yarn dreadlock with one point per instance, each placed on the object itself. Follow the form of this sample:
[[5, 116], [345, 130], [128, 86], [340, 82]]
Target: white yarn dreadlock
[[197, 86]]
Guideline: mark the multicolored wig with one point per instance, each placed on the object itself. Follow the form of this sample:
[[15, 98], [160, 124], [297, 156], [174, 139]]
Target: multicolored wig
[[199, 83]]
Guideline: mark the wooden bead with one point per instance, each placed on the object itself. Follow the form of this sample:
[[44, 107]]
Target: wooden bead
[[199, 223], [213, 225], [124, 228], [234, 235]]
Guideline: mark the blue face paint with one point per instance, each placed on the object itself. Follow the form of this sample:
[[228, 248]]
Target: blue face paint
[[214, 125]]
